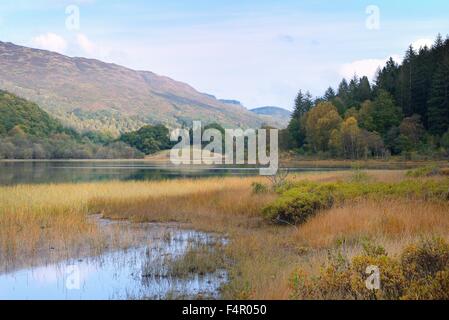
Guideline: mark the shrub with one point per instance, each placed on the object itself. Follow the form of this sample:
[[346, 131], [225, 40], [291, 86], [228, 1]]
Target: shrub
[[304, 199], [420, 272], [427, 171], [259, 188], [298, 204]]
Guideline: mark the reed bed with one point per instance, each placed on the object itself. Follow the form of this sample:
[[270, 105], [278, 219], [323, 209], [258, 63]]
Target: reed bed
[[36, 218]]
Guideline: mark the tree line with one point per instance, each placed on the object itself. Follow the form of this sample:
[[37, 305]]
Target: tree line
[[404, 112]]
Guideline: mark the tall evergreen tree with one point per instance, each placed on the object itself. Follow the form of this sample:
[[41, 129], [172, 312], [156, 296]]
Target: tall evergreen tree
[[364, 90], [387, 77], [438, 116], [406, 75], [421, 83], [329, 95], [296, 131], [303, 103], [343, 91], [353, 93]]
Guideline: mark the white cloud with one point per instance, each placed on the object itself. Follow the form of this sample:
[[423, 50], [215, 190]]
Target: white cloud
[[50, 41], [422, 43], [365, 67], [85, 44], [368, 67]]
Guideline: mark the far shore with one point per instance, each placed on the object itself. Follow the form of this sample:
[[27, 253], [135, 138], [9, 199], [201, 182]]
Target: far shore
[[161, 158]]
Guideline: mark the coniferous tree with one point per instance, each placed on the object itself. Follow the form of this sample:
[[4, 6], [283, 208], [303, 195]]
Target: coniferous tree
[[330, 95], [343, 91], [364, 90], [406, 75], [296, 131], [421, 83], [387, 77], [438, 116], [303, 103], [353, 93]]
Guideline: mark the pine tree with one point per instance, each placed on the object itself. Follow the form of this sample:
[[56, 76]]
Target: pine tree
[[405, 86], [364, 90], [353, 93], [303, 103], [296, 132], [438, 115], [329, 95], [387, 77], [343, 91]]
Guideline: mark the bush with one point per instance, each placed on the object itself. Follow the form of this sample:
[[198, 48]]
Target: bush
[[427, 171], [259, 188], [421, 272], [298, 204], [303, 200]]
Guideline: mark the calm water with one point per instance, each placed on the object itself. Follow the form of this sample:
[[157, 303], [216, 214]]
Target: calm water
[[84, 171], [138, 273]]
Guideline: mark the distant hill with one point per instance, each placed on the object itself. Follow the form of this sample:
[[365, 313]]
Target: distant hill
[[90, 94], [232, 102], [275, 116]]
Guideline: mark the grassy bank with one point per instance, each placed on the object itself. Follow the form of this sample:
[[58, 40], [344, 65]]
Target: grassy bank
[[263, 256]]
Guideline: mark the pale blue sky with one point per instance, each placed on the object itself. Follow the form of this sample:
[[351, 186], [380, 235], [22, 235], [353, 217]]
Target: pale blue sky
[[259, 52]]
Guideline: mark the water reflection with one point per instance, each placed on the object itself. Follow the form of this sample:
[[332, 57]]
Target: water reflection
[[84, 171], [119, 275]]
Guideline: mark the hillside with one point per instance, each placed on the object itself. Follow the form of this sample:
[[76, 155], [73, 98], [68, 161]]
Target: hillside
[[275, 116], [28, 132], [15, 111], [90, 94]]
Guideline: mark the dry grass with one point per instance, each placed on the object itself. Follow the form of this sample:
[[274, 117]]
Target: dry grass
[[386, 221], [43, 223], [264, 255]]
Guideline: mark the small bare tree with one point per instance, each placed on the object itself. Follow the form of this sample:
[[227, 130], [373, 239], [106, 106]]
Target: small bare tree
[[279, 178]]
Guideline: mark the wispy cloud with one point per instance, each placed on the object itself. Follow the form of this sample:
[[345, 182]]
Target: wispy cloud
[[50, 41], [365, 67], [85, 44]]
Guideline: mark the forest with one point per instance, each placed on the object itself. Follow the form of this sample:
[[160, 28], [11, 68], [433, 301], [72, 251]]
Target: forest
[[28, 132], [405, 112]]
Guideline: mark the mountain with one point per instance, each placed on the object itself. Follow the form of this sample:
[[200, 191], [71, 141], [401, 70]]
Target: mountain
[[89, 94], [274, 116]]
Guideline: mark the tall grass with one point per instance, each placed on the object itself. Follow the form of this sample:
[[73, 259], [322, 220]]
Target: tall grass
[[33, 219], [50, 221]]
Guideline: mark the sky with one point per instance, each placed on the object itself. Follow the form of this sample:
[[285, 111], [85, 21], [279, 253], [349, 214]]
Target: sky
[[258, 52]]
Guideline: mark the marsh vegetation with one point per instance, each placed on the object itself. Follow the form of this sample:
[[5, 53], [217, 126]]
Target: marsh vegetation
[[341, 214]]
